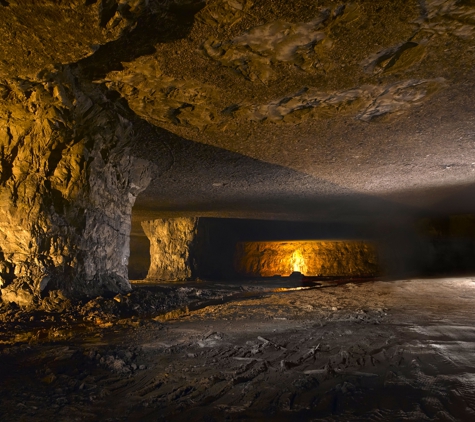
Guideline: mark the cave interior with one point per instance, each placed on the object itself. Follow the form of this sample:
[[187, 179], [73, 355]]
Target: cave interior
[[237, 210]]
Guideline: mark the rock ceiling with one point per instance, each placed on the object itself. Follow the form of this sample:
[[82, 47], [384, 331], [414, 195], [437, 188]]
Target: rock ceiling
[[272, 108]]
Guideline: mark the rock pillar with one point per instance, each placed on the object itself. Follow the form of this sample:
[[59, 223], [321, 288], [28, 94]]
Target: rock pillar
[[67, 187], [171, 247]]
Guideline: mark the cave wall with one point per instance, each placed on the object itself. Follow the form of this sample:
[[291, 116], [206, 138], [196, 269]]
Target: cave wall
[[311, 258], [449, 243], [67, 188], [438, 245]]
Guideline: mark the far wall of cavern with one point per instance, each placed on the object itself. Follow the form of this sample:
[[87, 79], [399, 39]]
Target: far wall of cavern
[[187, 248], [219, 248]]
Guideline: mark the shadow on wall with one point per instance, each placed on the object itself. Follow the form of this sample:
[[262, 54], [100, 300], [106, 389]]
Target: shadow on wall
[[139, 260], [450, 243], [198, 178]]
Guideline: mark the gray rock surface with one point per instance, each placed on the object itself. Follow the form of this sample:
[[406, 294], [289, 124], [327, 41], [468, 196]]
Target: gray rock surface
[[68, 186]]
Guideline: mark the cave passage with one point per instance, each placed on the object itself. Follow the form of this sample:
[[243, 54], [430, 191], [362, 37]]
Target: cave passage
[[190, 248], [223, 210]]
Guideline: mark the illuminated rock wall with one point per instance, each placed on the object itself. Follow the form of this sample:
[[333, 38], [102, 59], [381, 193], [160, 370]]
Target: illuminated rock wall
[[67, 188], [311, 258], [184, 248], [170, 242]]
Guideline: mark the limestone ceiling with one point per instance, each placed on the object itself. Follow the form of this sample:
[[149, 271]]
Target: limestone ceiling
[[324, 109]]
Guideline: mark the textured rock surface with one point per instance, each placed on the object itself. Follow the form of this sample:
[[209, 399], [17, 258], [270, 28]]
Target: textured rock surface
[[311, 258], [68, 180], [170, 243], [331, 110], [37, 35], [325, 111], [67, 189]]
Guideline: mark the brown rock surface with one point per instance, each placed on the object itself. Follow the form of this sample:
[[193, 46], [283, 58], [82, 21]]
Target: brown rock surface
[[37, 35], [170, 243], [355, 112], [354, 352], [67, 187], [311, 258]]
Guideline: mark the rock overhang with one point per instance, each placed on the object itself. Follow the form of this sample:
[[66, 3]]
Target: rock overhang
[[385, 111]]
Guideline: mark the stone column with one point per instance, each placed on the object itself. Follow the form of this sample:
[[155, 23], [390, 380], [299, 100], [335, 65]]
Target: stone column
[[171, 248], [67, 187]]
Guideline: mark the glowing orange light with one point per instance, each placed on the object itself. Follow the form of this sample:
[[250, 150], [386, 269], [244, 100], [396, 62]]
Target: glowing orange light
[[298, 263], [311, 258]]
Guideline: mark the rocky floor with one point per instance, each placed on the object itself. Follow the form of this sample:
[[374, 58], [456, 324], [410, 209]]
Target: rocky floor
[[378, 351]]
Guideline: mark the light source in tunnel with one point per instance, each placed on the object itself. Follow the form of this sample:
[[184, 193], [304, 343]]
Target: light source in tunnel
[[297, 262], [326, 258]]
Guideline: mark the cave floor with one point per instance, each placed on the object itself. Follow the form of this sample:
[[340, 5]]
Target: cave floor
[[401, 350]]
